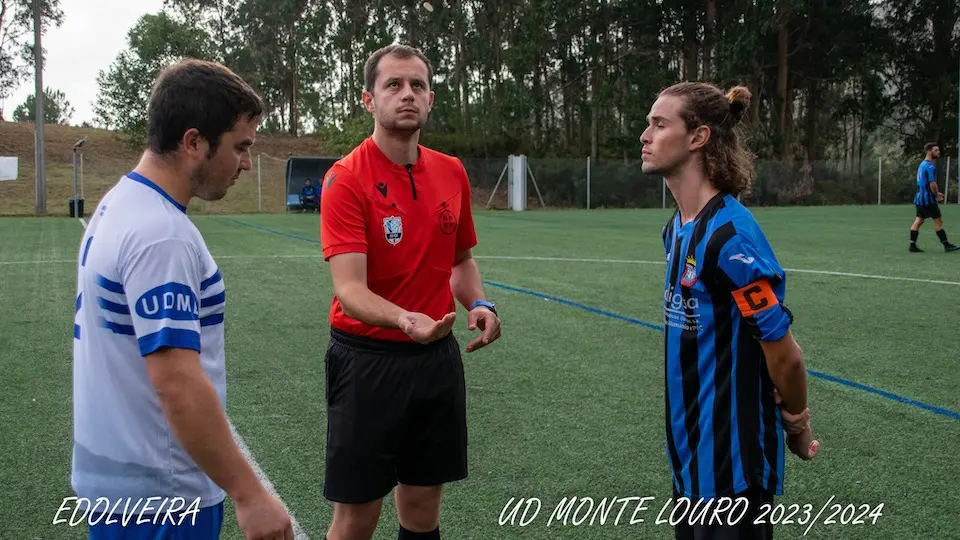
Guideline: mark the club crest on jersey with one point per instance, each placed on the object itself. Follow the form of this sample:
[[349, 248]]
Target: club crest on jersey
[[689, 272], [393, 229]]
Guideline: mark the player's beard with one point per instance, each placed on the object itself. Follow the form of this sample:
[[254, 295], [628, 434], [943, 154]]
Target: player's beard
[[658, 170], [668, 169], [204, 185], [405, 128]]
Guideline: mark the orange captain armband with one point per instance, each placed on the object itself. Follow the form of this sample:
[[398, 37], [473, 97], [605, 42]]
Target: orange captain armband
[[755, 298]]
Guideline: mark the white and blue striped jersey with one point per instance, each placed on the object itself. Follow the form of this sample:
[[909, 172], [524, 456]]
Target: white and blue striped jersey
[[145, 280]]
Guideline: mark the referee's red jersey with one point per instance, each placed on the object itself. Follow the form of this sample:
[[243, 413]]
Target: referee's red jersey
[[409, 220]]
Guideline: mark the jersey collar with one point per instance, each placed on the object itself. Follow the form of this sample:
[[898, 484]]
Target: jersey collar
[[137, 177], [380, 156], [710, 208]]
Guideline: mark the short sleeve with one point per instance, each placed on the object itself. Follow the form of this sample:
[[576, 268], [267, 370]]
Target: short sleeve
[[342, 218], [757, 284], [162, 284], [466, 230], [930, 174]]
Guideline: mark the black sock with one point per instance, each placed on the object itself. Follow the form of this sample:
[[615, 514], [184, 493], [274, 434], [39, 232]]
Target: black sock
[[913, 236], [408, 535], [942, 235]]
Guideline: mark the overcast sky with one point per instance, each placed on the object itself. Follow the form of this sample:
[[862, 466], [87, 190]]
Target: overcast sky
[[92, 35]]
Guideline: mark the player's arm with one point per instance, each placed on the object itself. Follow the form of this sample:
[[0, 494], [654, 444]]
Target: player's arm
[[465, 280], [788, 371], [192, 407], [163, 282], [754, 279], [343, 235], [931, 178], [769, 322], [757, 284], [349, 274]]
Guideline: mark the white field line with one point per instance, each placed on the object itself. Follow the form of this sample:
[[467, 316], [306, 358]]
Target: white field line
[[798, 270], [297, 529], [41, 261], [554, 259], [217, 257]]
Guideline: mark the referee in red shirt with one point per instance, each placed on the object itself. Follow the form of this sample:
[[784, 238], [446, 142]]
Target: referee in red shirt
[[397, 229]]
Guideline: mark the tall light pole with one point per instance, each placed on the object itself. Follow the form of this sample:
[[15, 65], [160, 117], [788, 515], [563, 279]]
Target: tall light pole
[[41, 195]]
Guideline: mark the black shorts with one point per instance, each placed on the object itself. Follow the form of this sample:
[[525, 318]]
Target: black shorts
[[396, 412], [929, 211], [743, 529]]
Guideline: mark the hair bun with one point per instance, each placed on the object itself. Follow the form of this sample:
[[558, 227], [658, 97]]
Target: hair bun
[[739, 97]]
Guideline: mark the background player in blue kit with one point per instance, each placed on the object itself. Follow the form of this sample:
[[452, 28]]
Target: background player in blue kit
[[926, 199], [734, 376], [149, 373]]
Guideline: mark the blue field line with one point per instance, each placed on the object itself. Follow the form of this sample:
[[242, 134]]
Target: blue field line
[[858, 386], [571, 303], [934, 409], [659, 328], [269, 230]]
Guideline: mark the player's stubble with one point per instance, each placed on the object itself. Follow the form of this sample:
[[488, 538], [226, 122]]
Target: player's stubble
[[209, 184]]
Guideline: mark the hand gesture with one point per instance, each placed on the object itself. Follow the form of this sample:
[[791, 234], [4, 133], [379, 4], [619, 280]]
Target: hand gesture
[[489, 324], [940, 197], [423, 329], [263, 518]]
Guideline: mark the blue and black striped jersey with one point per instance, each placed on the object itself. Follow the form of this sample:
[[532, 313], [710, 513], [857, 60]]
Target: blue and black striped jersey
[[926, 173], [723, 295]]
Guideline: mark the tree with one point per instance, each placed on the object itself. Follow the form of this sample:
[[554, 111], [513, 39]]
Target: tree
[[832, 81], [923, 72], [155, 41], [56, 108], [16, 39]]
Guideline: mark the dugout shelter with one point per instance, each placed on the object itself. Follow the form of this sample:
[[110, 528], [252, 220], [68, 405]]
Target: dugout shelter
[[299, 168]]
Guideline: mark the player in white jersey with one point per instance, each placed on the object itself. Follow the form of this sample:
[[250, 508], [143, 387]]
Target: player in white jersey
[[153, 452]]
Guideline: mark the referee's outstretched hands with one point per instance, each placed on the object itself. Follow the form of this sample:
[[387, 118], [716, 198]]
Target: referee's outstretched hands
[[422, 329]]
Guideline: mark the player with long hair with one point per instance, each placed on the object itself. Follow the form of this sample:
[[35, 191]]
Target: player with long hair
[[735, 378]]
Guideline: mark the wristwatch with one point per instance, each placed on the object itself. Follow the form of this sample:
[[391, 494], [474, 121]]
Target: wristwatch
[[485, 304]]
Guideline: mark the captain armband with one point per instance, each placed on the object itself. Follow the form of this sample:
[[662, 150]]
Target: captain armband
[[755, 298]]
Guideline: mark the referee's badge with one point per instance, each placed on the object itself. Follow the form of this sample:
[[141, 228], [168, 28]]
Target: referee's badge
[[690, 272], [393, 229]]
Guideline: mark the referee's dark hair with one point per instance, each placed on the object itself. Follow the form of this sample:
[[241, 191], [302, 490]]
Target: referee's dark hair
[[197, 94], [930, 146], [729, 165]]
